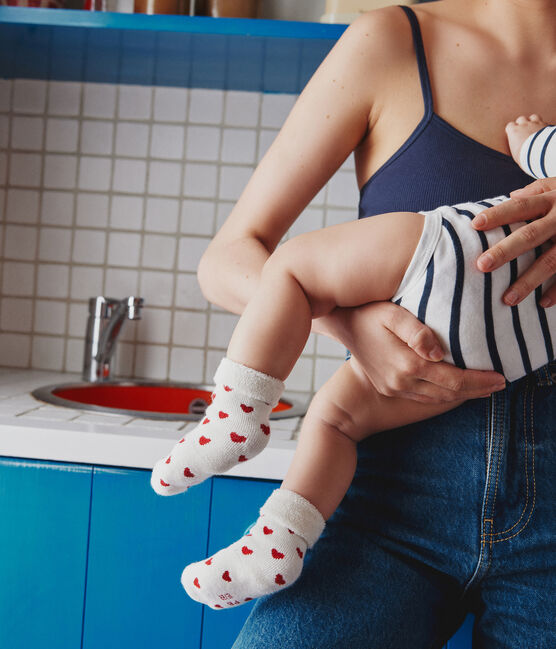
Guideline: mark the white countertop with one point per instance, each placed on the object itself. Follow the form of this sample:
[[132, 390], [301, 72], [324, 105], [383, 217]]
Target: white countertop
[[33, 429]]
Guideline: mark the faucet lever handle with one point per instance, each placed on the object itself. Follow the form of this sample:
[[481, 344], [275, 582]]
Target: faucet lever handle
[[134, 306]]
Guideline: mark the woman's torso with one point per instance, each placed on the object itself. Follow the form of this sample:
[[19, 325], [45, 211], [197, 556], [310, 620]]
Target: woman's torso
[[459, 148]]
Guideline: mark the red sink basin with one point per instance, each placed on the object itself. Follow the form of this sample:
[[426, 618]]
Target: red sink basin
[[144, 399]]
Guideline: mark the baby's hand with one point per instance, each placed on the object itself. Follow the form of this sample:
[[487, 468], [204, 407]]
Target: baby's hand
[[519, 130]]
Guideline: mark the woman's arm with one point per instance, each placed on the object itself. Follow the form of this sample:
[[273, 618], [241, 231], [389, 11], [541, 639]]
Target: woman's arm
[[537, 202], [330, 118]]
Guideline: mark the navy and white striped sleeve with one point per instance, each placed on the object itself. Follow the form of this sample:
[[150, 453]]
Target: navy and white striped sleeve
[[538, 153]]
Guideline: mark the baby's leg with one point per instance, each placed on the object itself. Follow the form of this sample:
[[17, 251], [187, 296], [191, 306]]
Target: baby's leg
[[533, 145], [344, 411], [343, 265]]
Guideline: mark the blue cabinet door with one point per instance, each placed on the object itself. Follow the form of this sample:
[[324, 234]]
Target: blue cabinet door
[[462, 638], [44, 519], [139, 544], [235, 506]]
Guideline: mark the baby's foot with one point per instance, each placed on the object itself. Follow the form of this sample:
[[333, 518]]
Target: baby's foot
[[264, 561], [519, 130], [235, 428]]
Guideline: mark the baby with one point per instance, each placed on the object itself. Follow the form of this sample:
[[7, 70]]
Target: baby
[[426, 263]]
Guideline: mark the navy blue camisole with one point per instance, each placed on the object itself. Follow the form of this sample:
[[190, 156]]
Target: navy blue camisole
[[437, 165]]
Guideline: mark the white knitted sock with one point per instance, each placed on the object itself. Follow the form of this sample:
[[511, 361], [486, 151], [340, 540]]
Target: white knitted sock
[[264, 561], [235, 428]]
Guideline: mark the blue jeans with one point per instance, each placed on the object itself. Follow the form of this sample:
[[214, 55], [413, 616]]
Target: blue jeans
[[449, 516]]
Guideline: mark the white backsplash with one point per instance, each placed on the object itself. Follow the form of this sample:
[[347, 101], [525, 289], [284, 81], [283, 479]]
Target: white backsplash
[[116, 190]]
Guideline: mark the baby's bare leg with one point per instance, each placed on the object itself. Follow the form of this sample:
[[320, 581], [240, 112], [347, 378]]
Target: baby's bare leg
[[343, 412], [344, 265], [309, 276]]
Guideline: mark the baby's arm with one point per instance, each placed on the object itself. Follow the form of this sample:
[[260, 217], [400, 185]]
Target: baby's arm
[[533, 145]]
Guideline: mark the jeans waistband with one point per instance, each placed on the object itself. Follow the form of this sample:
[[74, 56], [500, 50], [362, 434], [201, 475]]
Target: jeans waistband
[[546, 375]]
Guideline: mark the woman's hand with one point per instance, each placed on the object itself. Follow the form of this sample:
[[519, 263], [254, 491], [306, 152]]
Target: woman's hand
[[536, 201], [401, 356]]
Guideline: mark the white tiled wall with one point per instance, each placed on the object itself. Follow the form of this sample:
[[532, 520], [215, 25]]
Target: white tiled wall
[[116, 190]]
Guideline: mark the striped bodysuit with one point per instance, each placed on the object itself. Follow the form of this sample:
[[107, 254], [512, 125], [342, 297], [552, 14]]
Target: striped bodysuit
[[464, 307]]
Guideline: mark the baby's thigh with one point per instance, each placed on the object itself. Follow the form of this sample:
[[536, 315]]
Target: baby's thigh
[[352, 263], [350, 402]]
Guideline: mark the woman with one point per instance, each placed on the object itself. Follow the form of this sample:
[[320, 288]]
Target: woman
[[455, 514]]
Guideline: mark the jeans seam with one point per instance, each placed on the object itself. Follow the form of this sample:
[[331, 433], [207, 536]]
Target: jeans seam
[[525, 422], [526, 469], [498, 461], [489, 448], [490, 419]]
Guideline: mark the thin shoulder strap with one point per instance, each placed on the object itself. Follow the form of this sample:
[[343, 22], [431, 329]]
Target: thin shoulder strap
[[421, 58]]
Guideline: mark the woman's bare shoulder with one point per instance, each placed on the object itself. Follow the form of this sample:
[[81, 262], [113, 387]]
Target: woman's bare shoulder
[[384, 36]]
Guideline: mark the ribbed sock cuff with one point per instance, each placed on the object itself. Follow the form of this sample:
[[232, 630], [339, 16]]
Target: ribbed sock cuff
[[296, 513], [249, 382]]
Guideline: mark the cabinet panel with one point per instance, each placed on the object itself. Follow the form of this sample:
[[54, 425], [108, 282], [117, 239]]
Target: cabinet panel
[[43, 542], [139, 544], [235, 506], [462, 638]]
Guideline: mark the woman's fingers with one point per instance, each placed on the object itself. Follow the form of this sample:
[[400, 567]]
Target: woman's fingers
[[394, 350], [541, 208], [450, 383], [538, 187], [521, 240], [543, 268], [433, 382], [416, 335], [549, 297], [513, 211]]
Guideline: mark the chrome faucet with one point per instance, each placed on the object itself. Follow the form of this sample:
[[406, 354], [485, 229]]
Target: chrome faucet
[[106, 318]]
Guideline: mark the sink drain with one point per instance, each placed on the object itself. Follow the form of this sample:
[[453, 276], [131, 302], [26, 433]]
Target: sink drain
[[197, 407]]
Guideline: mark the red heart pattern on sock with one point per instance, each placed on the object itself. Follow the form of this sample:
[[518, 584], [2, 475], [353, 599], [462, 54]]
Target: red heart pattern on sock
[[265, 562], [208, 561], [164, 484], [220, 424], [196, 582]]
